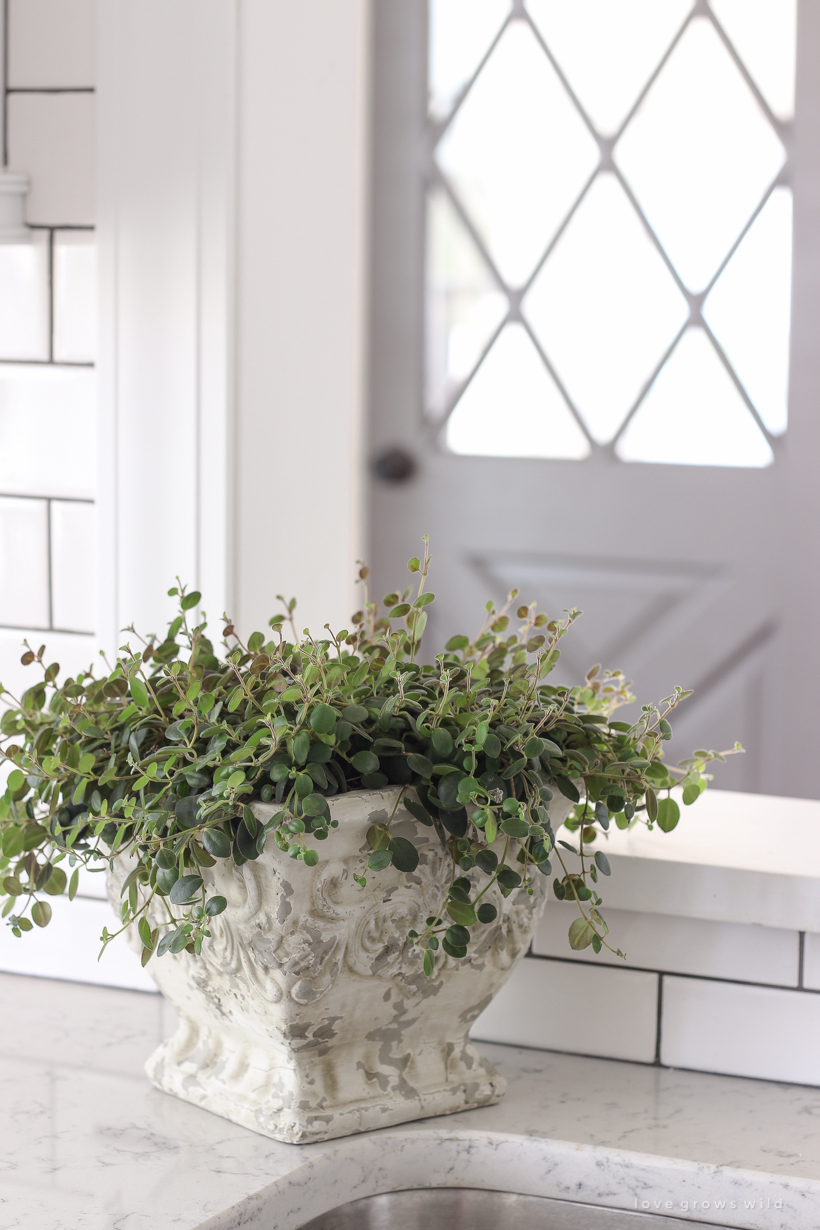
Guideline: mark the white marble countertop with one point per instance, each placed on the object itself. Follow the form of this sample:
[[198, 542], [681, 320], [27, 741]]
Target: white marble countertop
[[87, 1143]]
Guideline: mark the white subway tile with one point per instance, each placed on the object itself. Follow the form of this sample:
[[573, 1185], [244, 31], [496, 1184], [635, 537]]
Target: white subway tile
[[75, 297], [24, 312], [73, 565], [24, 563], [811, 961], [51, 138], [48, 435], [741, 1030], [561, 1006], [51, 44], [69, 946], [680, 945]]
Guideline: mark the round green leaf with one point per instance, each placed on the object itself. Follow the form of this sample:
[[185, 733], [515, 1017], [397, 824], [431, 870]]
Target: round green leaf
[[138, 691], [668, 815], [216, 843], [41, 913], [314, 805], [515, 827], [492, 746], [487, 860], [56, 882], [487, 913], [301, 747], [185, 888], [379, 859], [442, 741], [323, 719], [365, 762], [303, 785], [602, 863], [404, 854], [420, 765], [458, 936], [166, 879], [355, 714], [580, 934], [215, 905], [461, 913], [16, 779], [509, 879]]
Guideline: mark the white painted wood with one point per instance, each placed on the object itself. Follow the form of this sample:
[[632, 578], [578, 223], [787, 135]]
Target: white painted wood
[[301, 301], [560, 1006], [678, 945], [165, 159], [740, 541], [232, 164], [740, 1030]]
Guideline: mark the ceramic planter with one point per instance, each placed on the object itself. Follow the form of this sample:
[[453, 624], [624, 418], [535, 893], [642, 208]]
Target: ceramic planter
[[307, 1016]]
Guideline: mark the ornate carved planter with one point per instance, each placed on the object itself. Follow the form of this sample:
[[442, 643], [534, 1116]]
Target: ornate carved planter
[[307, 1015]]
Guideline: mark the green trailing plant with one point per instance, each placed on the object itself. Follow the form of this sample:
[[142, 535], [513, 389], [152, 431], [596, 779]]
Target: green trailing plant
[[160, 757]]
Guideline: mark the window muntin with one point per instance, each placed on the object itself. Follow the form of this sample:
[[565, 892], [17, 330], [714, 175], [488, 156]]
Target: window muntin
[[613, 180]]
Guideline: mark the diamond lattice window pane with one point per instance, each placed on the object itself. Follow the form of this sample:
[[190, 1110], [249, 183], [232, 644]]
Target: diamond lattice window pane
[[749, 310], [513, 408], [518, 153], [461, 31], [605, 307], [608, 49], [24, 324], [699, 154], [464, 304], [764, 34], [694, 415]]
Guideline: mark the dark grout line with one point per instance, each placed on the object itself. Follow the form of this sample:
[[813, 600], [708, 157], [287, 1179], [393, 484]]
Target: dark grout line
[[800, 960], [673, 973], [50, 568], [62, 499], [50, 89]]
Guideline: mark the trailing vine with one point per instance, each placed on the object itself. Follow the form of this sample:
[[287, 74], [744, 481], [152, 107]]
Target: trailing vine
[[161, 756]]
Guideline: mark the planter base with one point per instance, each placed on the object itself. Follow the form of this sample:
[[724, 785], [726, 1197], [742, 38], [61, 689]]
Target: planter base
[[308, 1015], [242, 1082]]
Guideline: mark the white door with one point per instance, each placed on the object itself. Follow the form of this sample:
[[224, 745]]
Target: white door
[[581, 381]]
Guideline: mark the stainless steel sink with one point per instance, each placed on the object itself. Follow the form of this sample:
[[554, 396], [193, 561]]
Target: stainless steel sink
[[457, 1208]]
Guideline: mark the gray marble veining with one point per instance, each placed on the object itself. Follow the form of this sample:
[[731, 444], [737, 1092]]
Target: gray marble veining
[[87, 1143]]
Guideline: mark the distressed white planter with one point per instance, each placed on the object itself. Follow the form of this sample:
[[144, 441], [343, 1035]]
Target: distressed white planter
[[308, 1016]]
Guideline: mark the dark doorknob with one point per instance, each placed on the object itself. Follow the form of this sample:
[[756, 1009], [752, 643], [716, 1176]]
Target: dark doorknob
[[394, 465]]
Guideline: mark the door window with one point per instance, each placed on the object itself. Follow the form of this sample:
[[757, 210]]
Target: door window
[[609, 228]]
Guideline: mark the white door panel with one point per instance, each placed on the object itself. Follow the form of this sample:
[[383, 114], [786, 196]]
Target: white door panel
[[685, 572]]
